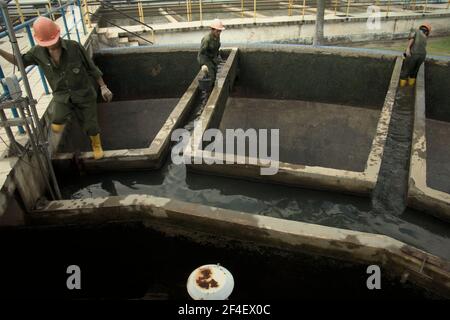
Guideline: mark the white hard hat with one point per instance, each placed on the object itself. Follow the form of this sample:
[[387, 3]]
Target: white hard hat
[[210, 282], [217, 24]]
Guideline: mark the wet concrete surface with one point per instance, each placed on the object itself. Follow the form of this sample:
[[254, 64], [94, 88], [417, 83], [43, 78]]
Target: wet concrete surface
[[311, 133], [389, 195], [144, 119], [438, 155]]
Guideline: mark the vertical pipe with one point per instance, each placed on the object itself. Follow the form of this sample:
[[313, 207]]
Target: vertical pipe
[[201, 12], [86, 11], [388, 8], [425, 7], [187, 10], [41, 73], [63, 14], [303, 10], [75, 23], [254, 10], [242, 8], [448, 4], [31, 101], [52, 16], [19, 10], [348, 8], [335, 6], [139, 11], [81, 16]]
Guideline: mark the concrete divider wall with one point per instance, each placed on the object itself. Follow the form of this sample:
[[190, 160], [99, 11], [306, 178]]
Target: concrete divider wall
[[437, 90], [429, 182], [329, 78], [300, 174], [141, 74]]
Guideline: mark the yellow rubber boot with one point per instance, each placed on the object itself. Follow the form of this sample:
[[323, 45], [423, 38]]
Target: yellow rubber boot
[[411, 81], [57, 128], [402, 83], [97, 146]]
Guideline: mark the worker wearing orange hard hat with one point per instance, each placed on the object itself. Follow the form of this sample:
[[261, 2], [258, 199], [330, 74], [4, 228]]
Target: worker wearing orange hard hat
[[415, 54], [73, 77], [208, 55]]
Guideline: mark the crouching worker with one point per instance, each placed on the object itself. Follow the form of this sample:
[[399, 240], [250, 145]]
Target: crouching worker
[[208, 56], [73, 77], [415, 54]]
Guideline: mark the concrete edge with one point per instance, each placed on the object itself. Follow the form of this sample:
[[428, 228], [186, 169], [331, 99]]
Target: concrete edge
[[405, 261], [374, 160], [420, 195], [151, 157], [361, 183]]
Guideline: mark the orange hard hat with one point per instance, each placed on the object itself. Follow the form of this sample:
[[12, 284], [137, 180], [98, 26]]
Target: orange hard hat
[[426, 25], [46, 31], [217, 24]]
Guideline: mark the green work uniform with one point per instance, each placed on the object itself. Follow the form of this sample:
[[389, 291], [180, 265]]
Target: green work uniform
[[209, 54], [73, 82], [412, 64]]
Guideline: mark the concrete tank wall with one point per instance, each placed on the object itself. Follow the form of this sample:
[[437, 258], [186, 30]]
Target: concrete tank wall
[[142, 74], [328, 78], [437, 90]]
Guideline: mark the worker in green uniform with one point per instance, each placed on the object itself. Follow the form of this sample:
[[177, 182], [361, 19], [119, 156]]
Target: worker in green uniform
[[415, 54], [73, 77], [208, 55]]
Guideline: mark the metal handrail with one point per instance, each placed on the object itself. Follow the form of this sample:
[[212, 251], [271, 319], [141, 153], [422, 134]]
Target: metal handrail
[[124, 14], [27, 26]]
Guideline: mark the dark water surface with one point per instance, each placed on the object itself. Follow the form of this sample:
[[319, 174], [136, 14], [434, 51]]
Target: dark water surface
[[384, 213]]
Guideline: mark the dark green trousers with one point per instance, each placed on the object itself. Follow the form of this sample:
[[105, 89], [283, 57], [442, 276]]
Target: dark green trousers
[[411, 66], [85, 113]]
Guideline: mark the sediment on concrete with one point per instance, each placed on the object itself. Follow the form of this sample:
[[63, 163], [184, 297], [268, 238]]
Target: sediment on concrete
[[295, 89], [429, 179], [152, 96], [214, 225]]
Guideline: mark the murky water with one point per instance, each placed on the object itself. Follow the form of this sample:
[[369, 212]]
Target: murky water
[[385, 213], [291, 203]]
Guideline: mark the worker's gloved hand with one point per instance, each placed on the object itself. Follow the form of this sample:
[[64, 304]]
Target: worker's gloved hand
[[408, 53], [205, 70], [106, 93]]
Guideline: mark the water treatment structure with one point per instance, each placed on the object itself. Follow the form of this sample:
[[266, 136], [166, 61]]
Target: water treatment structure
[[363, 167]]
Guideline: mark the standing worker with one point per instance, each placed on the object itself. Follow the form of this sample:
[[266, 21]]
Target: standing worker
[[73, 77], [415, 54], [208, 56]]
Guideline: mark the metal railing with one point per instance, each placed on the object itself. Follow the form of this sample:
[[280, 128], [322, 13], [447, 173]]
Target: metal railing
[[198, 10], [26, 24]]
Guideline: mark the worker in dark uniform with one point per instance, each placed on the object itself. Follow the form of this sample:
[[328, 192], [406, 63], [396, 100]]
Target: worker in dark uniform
[[208, 56], [73, 77], [415, 54]]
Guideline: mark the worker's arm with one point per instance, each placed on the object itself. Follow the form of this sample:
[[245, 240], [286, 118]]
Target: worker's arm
[[408, 48], [8, 57], [106, 93], [28, 58], [204, 46], [95, 72], [410, 43]]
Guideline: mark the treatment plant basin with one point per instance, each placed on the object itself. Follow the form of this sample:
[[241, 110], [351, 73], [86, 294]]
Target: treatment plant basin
[[333, 109]]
